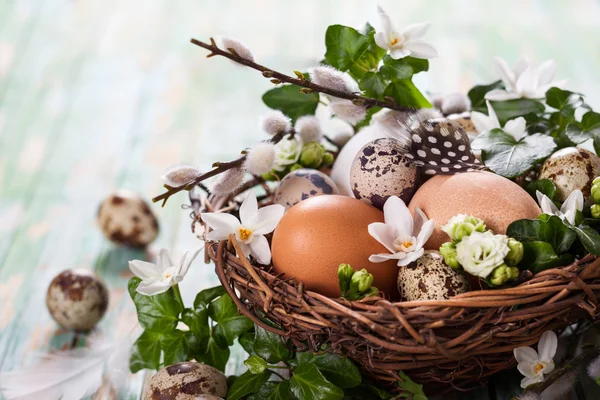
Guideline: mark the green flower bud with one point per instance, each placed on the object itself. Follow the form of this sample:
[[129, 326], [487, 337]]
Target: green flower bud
[[515, 255], [361, 280], [328, 159], [502, 274], [462, 225], [296, 167], [596, 192], [448, 251], [345, 272], [595, 209], [596, 181], [312, 155]]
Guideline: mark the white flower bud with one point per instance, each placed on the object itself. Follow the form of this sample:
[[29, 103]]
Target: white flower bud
[[180, 174], [593, 369], [480, 253], [347, 110], [309, 129], [240, 48], [228, 181], [274, 122], [260, 158], [332, 78]]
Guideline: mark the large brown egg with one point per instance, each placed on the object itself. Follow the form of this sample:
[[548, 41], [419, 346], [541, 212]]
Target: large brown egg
[[496, 200], [318, 234]]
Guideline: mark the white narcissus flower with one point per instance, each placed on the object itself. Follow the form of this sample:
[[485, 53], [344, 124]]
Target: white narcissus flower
[[240, 48], [249, 230], [515, 127], [568, 210], [405, 43], [400, 234], [308, 128], [287, 152], [524, 80], [158, 278], [481, 252], [180, 174], [533, 365], [260, 158]]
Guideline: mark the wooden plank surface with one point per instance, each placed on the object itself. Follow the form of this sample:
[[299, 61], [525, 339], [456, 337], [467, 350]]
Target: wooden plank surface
[[100, 95]]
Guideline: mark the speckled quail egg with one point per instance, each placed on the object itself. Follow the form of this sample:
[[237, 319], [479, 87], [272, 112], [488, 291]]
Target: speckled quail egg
[[187, 381], [570, 169], [465, 121], [302, 184], [77, 299], [429, 278], [126, 219], [380, 170]]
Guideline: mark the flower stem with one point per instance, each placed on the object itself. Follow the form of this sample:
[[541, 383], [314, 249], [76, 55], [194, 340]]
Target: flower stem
[[178, 294], [279, 375]]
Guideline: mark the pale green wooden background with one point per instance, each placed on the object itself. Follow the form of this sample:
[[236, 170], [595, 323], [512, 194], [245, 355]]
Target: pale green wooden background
[[98, 95]]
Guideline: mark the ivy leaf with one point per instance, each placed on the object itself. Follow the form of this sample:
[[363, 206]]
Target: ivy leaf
[[588, 128], [563, 99], [174, 346], [290, 101], [345, 47], [214, 352], [373, 84], [545, 186], [246, 384], [411, 387], [197, 320], [207, 295], [539, 256], [405, 93], [338, 370], [230, 323], [158, 313], [403, 68], [551, 229], [145, 353], [246, 340], [509, 158], [589, 237], [477, 95], [269, 346], [511, 109], [308, 383], [256, 364], [273, 391]]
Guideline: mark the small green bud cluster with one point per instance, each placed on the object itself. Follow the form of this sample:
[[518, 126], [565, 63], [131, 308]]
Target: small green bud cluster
[[313, 155], [355, 285], [595, 209]]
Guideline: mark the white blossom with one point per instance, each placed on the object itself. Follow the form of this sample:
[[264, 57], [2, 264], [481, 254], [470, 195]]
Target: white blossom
[[400, 234], [260, 158], [405, 43], [533, 365], [249, 230], [274, 122], [308, 128], [240, 48], [228, 181], [331, 78], [287, 152], [180, 174], [347, 110], [158, 278], [481, 252], [568, 210], [515, 127]]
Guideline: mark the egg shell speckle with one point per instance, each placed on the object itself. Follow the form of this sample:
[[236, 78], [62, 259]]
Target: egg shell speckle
[[496, 200], [572, 169], [186, 381], [77, 299], [126, 219], [464, 120], [302, 184], [380, 170], [429, 278]]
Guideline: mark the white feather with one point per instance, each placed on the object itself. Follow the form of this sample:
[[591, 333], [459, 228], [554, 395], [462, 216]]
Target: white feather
[[71, 374]]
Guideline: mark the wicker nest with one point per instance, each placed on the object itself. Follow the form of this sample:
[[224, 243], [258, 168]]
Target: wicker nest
[[456, 343]]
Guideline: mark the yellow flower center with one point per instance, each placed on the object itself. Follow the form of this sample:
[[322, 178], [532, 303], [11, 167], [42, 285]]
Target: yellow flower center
[[395, 41], [538, 367], [404, 244], [244, 233]]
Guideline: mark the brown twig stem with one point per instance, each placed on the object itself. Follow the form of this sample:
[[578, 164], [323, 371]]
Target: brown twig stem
[[367, 102]]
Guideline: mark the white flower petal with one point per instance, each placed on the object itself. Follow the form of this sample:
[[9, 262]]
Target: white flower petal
[[164, 260], [219, 234], [521, 65], [380, 40], [481, 121], [420, 49], [505, 72], [249, 209], [267, 219], [143, 269], [220, 221], [516, 128], [573, 203], [527, 381], [410, 257], [384, 234], [525, 368], [501, 95], [259, 247], [377, 258], [397, 215], [425, 233], [399, 53], [418, 221], [546, 205], [186, 261], [527, 82], [492, 115], [153, 287], [386, 26], [547, 346], [416, 31], [525, 354], [546, 72]]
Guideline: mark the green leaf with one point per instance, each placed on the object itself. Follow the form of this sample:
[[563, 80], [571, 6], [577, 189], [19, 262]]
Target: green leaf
[[269, 346], [197, 320], [511, 109], [273, 391], [417, 64], [290, 101], [338, 370], [256, 364], [411, 387], [308, 383], [345, 47], [563, 99], [545, 186], [509, 158], [175, 347], [477, 94], [405, 93], [539, 256], [373, 84], [157, 313], [588, 128], [246, 384], [215, 352], [589, 237], [145, 353], [231, 323], [367, 120], [551, 230], [246, 340], [403, 68], [207, 295]]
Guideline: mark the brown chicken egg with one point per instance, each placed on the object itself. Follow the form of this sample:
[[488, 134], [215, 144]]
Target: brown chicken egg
[[496, 200], [572, 168], [318, 234], [380, 170]]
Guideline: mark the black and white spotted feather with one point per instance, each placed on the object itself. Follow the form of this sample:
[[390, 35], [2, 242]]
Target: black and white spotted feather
[[438, 146]]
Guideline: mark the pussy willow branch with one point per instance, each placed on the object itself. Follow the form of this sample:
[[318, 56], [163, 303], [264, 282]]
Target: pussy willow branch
[[367, 102]]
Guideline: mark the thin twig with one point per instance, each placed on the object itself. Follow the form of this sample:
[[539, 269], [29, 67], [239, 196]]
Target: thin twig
[[367, 102]]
